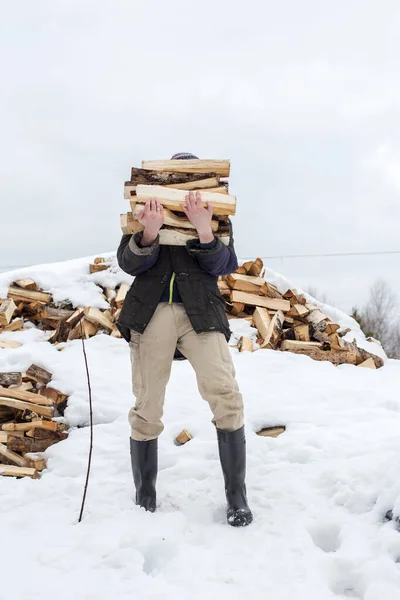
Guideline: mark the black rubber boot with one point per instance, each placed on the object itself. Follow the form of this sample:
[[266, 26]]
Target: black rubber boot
[[144, 460], [232, 453]]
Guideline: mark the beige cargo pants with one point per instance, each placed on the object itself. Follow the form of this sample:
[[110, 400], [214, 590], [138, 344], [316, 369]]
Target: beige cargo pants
[[152, 354]]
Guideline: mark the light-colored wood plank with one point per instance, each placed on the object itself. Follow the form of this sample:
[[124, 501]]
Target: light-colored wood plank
[[83, 329], [3, 437], [262, 321], [199, 184], [11, 456], [10, 471], [121, 294], [96, 268], [35, 461], [26, 284], [9, 344], [272, 336], [7, 309], [255, 268], [244, 283], [25, 396], [96, 316], [44, 411], [173, 199], [27, 295], [264, 301], [15, 325], [298, 311], [221, 167], [37, 424]]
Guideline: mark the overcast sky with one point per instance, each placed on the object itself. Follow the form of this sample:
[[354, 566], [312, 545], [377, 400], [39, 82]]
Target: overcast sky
[[302, 96]]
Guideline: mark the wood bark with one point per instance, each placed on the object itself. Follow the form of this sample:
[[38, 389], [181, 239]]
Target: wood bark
[[38, 374], [54, 395], [33, 461], [23, 445], [220, 167], [157, 177], [173, 199], [37, 424], [39, 433], [12, 378]]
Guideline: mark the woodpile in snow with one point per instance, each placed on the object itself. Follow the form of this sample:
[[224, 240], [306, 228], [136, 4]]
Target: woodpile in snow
[[28, 405], [170, 181], [287, 322], [26, 303]]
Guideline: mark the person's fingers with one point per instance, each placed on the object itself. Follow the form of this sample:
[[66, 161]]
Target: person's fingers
[[210, 208], [185, 210], [198, 198], [140, 214], [158, 206], [192, 199], [152, 204]]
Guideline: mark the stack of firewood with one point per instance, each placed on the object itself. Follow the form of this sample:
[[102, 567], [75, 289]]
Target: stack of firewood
[[27, 406], [25, 302], [287, 322], [170, 181]]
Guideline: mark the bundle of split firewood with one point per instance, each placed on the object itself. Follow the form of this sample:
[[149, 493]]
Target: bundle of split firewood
[[286, 321], [170, 181], [28, 406]]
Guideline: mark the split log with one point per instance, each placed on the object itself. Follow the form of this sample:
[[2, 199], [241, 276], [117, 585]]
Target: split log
[[255, 268], [196, 184], [298, 311], [6, 452], [148, 176], [315, 351], [121, 294], [39, 433], [96, 268], [16, 293], [11, 471], [331, 327], [26, 284], [24, 396], [273, 333], [116, 333], [264, 301], [7, 309], [270, 290], [84, 329], [34, 461], [15, 325], [241, 271], [224, 288], [245, 344], [235, 308], [302, 333], [184, 437], [44, 411], [25, 386], [37, 424], [98, 318], [24, 445], [8, 344], [220, 167], [38, 374], [262, 321], [54, 395], [294, 297], [244, 283], [11, 378], [173, 199], [271, 431]]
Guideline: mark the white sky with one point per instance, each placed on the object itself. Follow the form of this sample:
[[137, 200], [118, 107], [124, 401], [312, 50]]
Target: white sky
[[302, 96]]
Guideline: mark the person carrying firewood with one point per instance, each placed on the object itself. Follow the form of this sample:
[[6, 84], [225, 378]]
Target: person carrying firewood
[[174, 303]]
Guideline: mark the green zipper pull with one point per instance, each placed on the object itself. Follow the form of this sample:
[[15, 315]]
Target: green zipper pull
[[171, 288]]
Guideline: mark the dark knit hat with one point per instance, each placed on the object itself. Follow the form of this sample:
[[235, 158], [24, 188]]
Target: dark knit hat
[[184, 156]]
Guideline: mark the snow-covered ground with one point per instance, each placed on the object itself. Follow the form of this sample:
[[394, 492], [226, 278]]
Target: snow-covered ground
[[318, 492]]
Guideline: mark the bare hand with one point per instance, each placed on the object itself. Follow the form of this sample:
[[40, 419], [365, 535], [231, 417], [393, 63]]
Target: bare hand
[[152, 217], [200, 216]]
